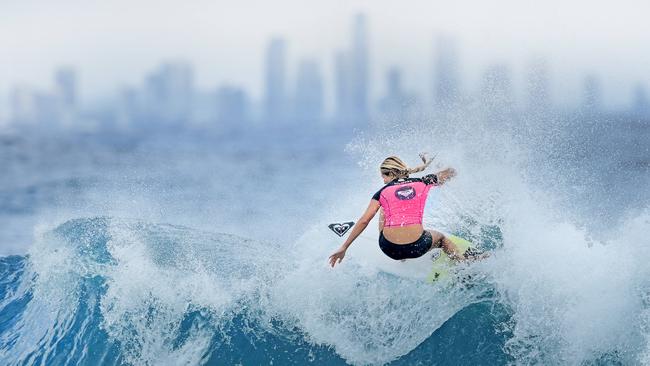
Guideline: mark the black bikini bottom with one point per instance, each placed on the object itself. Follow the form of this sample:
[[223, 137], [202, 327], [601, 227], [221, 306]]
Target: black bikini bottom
[[404, 251]]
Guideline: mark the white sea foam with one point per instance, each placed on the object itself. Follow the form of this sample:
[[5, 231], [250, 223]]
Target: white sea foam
[[577, 294]]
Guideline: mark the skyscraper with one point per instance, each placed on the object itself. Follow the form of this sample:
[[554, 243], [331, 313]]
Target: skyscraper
[[64, 97], [275, 98], [359, 68], [128, 108], [343, 91], [65, 79], [232, 106], [352, 81], [153, 96], [446, 71], [179, 84], [169, 92], [23, 105], [48, 110], [309, 92], [396, 102]]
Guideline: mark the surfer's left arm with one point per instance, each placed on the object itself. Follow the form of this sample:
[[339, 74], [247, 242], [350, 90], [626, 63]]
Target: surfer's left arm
[[357, 229], [441, 177]]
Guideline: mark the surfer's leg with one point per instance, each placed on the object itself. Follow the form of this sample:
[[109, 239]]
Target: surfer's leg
[[441, 241], [436, 239]]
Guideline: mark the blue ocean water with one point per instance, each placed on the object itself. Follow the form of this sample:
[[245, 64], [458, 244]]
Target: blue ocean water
[[86, 310], [208, 249]]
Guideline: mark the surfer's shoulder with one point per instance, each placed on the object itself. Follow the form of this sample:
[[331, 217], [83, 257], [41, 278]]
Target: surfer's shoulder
[[377, 194]]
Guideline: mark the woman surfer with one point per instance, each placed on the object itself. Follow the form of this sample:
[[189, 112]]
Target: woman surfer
[[401, 202]]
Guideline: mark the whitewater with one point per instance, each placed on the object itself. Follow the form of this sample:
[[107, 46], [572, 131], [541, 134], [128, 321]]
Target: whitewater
[[201, 252]]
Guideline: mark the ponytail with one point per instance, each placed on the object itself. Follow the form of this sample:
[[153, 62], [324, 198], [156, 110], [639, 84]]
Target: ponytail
[[422, 167]]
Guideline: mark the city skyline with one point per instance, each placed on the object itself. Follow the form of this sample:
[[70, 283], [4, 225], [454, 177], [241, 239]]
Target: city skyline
[[225, 41], [311, 91]]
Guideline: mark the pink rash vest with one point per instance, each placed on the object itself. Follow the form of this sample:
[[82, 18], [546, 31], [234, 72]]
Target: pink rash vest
[[403, 200]]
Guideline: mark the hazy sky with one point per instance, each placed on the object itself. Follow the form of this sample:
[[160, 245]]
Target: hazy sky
[[116, 42]]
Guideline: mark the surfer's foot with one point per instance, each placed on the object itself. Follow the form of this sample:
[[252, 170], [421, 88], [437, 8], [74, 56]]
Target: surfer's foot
[[472, 254]]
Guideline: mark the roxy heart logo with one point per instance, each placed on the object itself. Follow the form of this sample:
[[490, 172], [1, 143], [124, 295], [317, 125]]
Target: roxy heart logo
[[405, 193], [341, 228]]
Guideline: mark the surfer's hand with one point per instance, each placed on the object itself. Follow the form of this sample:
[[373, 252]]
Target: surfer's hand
[[337, 256], [445, 175]]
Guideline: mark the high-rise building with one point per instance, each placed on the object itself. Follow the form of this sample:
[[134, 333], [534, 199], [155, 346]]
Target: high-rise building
[[352, 76], [179, 83], [359, 68], [309, 92], [276, 73], [64, 97], [169, 92], [396, 101], [153, 96], [537, 86], [48, 110], [34, 107], [128, 109], [342, 82], [232, 106], [447, 73], [592, 94], [65, 79], [23, 105]]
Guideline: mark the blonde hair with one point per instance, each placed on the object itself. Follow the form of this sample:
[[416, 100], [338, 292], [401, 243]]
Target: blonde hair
[[394, 167]]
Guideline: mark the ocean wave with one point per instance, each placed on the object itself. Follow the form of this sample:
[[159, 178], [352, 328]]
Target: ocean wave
[[116, 291]]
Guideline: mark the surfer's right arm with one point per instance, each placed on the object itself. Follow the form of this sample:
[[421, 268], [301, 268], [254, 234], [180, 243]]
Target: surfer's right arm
[[357, 229]]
